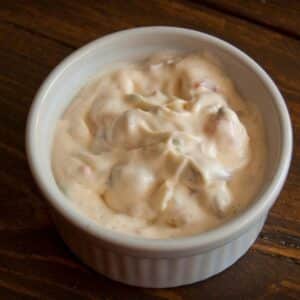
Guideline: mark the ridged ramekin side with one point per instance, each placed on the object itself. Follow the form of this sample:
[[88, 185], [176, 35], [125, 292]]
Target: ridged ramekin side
[[156, 272]]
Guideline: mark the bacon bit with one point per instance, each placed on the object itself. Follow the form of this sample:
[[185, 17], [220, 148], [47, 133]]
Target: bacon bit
[[205, 84], [86, 170], [214, 121], [210, 125], [196, 85]]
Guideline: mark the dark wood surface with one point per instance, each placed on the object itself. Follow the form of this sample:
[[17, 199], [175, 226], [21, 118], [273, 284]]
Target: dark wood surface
[[278, 15], [37, 35]]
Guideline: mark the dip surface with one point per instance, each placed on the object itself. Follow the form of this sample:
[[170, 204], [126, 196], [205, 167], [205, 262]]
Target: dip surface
[[161, 148]]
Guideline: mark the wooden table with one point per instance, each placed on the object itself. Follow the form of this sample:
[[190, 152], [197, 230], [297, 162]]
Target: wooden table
[[34, 37]]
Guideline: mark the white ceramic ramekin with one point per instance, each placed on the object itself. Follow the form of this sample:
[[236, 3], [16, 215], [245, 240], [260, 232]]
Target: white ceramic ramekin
[[138, 261]]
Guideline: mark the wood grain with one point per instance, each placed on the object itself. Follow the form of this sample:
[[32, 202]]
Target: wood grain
[[37, 35], [279, 15]]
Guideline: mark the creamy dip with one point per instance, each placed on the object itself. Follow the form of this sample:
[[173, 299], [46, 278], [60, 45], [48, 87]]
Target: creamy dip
[[161, 148]]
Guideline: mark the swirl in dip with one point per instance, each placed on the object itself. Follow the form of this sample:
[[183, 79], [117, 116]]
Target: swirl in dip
[[161, 148]]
